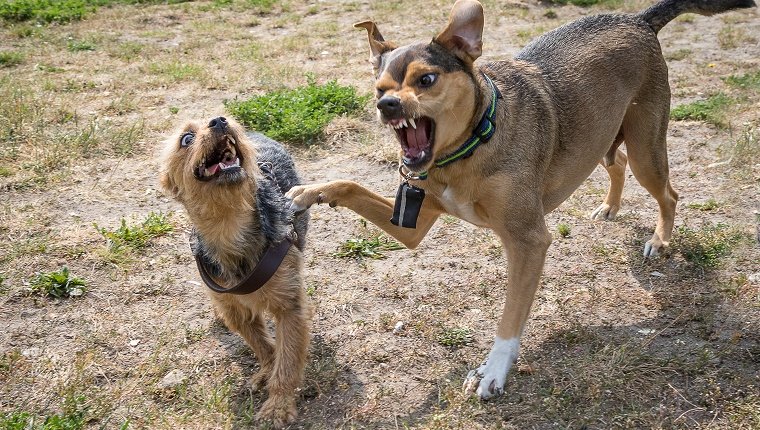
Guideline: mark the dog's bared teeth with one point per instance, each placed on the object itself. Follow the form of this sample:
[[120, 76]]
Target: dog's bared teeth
[[404, 124], [412, 123]]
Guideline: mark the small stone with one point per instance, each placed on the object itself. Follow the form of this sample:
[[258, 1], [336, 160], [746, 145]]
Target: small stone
[[657, 274], [134, 342], [172, 379], [398, 327]]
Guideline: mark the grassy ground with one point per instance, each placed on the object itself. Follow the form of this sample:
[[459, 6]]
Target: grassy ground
[[613, 342]]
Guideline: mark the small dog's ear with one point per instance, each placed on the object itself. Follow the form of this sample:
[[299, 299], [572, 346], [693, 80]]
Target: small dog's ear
[[377, 45], [463, 34], [167, 185]]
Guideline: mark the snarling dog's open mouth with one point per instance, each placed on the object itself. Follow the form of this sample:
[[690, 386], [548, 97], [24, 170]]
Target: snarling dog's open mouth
[[416, 138], [223, 162]]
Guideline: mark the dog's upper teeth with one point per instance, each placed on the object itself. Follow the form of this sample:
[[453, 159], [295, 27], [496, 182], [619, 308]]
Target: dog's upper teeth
[[414, 124], [404, 124]]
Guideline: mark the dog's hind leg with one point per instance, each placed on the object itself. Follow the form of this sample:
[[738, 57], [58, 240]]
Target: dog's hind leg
[[526, 251], [616, 171], [645, 127]]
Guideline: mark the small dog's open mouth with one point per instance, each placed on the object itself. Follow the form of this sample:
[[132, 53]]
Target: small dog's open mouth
[[416, 138], [222, 162]]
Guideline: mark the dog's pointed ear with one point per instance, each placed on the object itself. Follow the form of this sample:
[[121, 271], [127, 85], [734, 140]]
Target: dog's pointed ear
[[463, 34], [377, 45]]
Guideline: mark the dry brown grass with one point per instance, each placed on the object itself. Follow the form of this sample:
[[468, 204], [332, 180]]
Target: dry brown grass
[[614, 342]]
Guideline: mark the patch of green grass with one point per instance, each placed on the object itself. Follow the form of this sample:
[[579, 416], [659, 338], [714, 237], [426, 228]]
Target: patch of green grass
[[706, 246], [80, 45], [60, 11], [10, 58], [60, 284], [5, 172], [563, 229], [711, 110], [297, 115], [454, 337], [678, 55], [73, 417], [730, 37], [178, 71], [745, 81], [136, 237], [709, 205], [371, 248]]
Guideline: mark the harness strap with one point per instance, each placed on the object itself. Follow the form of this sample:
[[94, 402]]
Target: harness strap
[[261, 274]]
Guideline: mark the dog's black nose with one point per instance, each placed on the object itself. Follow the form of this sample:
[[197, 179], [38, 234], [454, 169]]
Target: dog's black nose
[[390, 106], [220, 123]]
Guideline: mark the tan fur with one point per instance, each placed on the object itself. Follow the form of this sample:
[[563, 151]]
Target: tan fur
[[566, 108], [221, 213]]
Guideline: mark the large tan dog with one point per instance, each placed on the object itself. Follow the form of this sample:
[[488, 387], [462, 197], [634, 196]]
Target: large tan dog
[[564, 104], [231, 184]]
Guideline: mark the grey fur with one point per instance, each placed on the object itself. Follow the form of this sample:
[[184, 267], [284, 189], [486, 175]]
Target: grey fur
[[272, 208], [658, 15]]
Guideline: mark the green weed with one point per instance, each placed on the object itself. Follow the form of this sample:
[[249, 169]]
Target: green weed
[[10, 58], [371, 248], [297, 115], [454, 337], [58, 284], [711, 110], [746, 81], [80, 45], [709, 205], [563, 229], [136, 237], [705, 247]]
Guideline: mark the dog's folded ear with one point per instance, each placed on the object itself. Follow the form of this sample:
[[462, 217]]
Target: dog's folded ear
[[463, 34], [377, 45]]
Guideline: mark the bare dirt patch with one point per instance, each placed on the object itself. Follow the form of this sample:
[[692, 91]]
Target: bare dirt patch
[[613, 342]]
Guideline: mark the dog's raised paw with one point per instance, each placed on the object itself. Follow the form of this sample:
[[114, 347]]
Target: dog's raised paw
[[605, 212], [278, 410], [302, 197]]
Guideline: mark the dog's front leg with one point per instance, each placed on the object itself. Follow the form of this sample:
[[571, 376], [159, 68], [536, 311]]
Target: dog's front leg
[[526, 251], [376, 209]]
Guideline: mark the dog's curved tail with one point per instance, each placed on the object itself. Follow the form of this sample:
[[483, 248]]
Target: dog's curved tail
[[658, 15]]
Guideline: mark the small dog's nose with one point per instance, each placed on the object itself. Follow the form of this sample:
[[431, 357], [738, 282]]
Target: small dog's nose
[[220, 123], [390, 106]]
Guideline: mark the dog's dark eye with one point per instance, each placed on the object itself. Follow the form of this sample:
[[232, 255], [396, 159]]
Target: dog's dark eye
[[186, 140], [427, 80]]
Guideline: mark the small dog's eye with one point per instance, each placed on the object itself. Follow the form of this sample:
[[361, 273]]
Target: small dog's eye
[[186, 140], [427, 80]]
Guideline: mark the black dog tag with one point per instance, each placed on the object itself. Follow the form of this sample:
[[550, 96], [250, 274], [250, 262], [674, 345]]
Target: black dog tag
[[408, 204]]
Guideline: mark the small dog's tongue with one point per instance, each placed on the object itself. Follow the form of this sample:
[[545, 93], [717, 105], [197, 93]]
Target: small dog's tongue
[[212, 169], [416, 139]]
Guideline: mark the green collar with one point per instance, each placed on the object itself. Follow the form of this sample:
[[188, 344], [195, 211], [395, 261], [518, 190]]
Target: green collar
[[482, 133]]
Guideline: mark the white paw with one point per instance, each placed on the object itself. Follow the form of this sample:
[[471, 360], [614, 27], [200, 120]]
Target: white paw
[[605, 212], [488, 380], [652, 248], [300, 201]]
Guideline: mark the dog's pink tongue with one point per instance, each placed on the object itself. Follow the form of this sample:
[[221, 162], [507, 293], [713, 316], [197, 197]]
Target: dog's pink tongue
[[212, 170], [416, 139]]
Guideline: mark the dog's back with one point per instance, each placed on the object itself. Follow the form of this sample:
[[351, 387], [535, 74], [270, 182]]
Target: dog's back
[[594, 70], [279, 176]]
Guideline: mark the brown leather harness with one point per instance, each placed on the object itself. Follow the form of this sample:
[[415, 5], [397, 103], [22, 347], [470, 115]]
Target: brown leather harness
[[260, 275]]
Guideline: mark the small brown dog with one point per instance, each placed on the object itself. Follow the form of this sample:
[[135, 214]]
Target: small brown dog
[[502, 144], [232, 186]]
